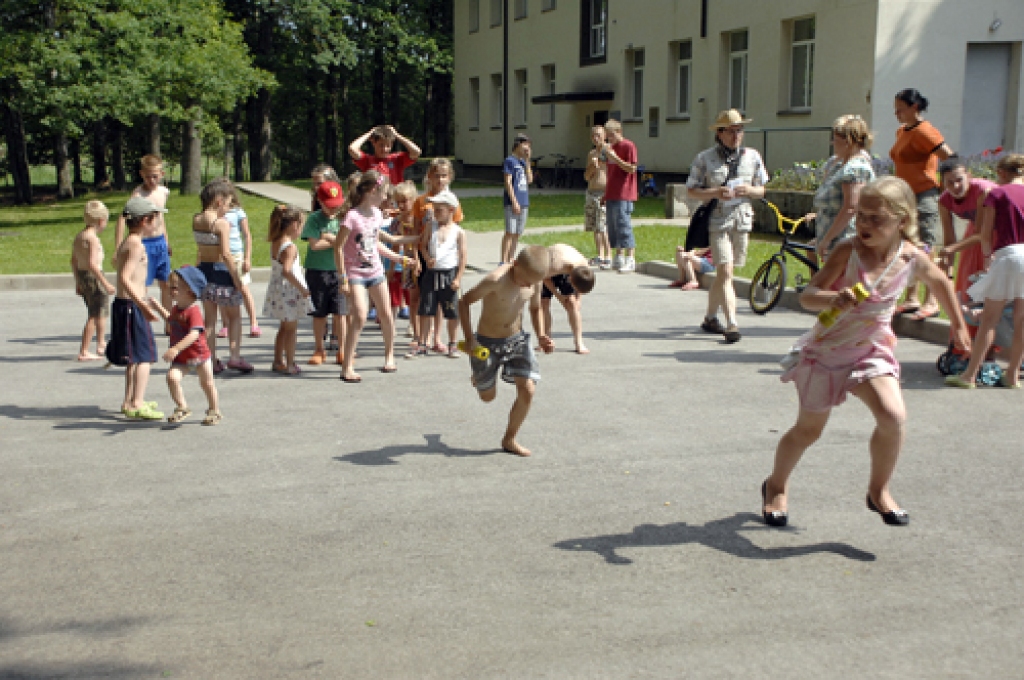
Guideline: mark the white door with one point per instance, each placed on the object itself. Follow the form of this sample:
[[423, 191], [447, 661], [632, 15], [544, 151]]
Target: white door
[[986, 82]]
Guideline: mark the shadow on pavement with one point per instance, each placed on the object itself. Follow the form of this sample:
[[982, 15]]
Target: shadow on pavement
[[386, 455], [720, 534], [80, 418], [48, 340]]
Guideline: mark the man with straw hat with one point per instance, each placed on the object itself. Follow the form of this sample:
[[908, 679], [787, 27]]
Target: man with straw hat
[[732, 176]]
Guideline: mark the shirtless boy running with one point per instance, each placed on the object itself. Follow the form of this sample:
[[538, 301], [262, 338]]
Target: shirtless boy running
[[154, 236], [503, 292], [568, 278]]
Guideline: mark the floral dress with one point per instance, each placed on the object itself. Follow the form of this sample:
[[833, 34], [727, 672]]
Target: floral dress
[[828, 199], [859, 346], [284, 301]]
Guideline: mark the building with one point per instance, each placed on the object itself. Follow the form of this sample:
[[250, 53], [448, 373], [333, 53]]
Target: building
[[666, 67]]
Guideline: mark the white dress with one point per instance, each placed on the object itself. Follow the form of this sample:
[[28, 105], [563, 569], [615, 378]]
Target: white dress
[[284, 301]]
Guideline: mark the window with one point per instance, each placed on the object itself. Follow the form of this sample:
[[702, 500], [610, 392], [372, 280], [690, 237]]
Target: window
[[801, 79], [497, 101], [474, 16], [684, 67], [738, 70], [548, 73], [652, 130], [598, 16], [520, 9], [522, 97], [497, 7], [474, 103], [548, 5], [637, 89]]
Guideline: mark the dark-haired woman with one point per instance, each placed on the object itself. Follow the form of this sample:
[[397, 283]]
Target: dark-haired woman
[[918, 149]]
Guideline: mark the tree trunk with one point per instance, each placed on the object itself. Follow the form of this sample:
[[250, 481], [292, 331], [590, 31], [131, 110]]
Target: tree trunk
[[229, 150], [378, 86], [260, 157], [65, 189], [17, 151], [331, 121], [100, 178], [312, 122], [239, 151], [153, 128], [117, 154], [346, 123], [76, 160], [192, 155]]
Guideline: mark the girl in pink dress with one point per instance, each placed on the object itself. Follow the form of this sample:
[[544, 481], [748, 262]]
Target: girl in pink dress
[[856, 353]]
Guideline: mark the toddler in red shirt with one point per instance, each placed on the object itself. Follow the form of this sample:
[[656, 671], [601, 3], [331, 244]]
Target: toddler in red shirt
[[188, 343]]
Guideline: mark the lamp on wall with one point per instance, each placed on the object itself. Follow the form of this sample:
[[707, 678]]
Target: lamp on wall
[[994, 26]]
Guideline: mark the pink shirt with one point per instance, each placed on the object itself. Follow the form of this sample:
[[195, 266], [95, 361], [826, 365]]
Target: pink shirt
[[362, 259], [966, 208], [1008, 229]]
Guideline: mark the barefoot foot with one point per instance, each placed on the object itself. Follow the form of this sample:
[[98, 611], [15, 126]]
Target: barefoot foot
[[512, 446], [582, 349]]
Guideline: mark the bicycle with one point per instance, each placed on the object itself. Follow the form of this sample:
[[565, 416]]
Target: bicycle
[[538, 178], [768, 284]]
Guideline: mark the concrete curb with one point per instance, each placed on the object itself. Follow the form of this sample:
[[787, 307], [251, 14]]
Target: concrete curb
[[935, 331]]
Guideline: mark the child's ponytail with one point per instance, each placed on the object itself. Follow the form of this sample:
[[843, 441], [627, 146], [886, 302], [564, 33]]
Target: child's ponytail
[[367, 183], [280, 219]]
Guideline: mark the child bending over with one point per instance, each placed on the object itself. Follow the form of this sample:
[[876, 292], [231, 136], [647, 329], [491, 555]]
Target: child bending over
[[568, 278]]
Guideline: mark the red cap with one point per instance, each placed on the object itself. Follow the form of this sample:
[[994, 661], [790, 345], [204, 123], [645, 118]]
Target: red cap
[[330, 195]]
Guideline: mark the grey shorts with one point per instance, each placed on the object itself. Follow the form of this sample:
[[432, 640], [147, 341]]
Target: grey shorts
[[515, 224], [929, 227], [513, 355]]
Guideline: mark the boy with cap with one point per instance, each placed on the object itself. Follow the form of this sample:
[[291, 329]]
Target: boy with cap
[[444, 251], [319, 233], [188, 343], [131, 339]]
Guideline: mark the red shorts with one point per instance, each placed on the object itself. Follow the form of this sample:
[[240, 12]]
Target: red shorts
[[399, 295]]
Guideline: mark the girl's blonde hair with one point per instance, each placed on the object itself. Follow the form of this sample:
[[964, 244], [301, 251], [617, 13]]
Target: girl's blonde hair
[[898, 198], [854, 130], [406, 189], [1012, 164], [435, 165], [281, 218], [368, 181], [96, 212], [351, 181]]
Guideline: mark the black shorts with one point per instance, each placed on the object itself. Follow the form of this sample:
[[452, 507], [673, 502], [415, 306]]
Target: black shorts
[[131, 338], [324, 294], [562, 283], [436, 289]]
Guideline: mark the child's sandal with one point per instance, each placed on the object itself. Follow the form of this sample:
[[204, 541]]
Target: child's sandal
[[212, 417], [453, 350], [179, 415]]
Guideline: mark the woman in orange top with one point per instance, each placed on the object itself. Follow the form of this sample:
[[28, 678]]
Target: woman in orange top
[[918, 149]]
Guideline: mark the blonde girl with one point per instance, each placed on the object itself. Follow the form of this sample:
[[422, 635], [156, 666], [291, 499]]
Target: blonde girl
[[856, 353], [287, 296]]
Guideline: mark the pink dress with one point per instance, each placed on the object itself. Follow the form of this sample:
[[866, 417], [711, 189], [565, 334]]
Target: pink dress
[[858, 347], [971, 259]]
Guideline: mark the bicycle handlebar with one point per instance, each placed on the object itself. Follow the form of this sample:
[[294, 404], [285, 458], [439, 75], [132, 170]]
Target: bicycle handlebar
[[782, 219]]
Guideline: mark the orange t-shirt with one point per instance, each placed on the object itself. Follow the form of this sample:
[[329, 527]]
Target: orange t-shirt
[[913, 154]]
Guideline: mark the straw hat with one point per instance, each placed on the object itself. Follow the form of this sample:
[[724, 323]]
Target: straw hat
[[728, 119]]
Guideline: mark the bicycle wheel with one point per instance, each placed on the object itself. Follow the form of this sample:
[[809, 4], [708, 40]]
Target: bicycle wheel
[[767, 286]]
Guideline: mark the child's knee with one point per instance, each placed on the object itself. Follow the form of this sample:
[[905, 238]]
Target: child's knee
[[488, 395]]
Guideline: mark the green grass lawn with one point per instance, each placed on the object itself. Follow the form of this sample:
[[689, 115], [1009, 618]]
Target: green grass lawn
[[37, 239], [552, 210], [307, 184]]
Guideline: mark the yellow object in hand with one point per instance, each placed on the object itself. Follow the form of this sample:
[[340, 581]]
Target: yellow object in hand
[[828, 317], [480, 352]]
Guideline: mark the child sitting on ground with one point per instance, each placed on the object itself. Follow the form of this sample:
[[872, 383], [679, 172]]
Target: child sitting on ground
[[691, 264], [287, 296], [131, 338], [568, 278], [188, 348], [90, 283], [444, 249], [503, 293]]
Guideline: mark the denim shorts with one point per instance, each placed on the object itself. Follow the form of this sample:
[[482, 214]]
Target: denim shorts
[[367, 283], [515, 224], [620, 225]]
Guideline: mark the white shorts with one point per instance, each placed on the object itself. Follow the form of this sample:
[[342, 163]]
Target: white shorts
[[244, 277], [729, 247]]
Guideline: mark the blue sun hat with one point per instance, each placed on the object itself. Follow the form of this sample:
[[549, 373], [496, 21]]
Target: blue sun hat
[[193, 278]]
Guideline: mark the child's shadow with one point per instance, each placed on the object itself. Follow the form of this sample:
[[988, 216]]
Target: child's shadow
[[386, 454], [77, 417], [720, 534]]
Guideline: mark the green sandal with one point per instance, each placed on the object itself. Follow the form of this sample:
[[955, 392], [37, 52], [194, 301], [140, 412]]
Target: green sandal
[[1004, 381], [152, 405], [147, 412], [957, 381]]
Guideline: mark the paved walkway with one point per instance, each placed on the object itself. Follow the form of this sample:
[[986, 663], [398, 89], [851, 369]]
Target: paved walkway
[[326, 530]]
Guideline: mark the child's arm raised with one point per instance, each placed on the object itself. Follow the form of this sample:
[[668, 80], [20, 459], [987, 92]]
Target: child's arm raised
[[817, 295], [942, 288], [413, 150], [355, 149]]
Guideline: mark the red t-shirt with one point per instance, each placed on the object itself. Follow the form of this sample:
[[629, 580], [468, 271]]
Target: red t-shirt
[[393, 165], [1008, 227], [182, 322], [621, 185]]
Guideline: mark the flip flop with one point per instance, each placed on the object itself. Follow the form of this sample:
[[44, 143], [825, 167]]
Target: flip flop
[[389, 369], [957, 381], [921, 316], [357, 379]]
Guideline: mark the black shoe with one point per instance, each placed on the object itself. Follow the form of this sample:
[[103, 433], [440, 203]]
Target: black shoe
[[773, 518], [712, 325], [732, 336], [894, 518]]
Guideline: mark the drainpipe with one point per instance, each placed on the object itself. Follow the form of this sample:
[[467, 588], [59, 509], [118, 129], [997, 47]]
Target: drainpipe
[[504, 80]]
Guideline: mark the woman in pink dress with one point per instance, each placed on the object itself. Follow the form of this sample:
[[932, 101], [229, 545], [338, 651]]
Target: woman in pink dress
[[855, 354]]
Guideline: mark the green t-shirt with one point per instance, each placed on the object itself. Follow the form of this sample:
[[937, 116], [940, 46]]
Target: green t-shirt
[[317, 223]]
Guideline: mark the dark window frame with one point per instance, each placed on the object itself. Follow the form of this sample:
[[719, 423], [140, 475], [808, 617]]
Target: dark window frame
[[585, 25]]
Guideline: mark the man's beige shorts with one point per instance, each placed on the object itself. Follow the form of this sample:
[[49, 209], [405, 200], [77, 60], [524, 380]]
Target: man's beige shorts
[[244, 277], [729, 247]]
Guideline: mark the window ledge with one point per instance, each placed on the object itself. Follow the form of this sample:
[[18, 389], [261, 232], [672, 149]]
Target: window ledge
[[677, 119], [475, 128], [522, 126], [793, 112], [632, 121], [497, 127], [547, 125]]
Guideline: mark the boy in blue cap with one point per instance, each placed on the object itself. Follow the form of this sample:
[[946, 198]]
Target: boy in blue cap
[[188, 343]]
